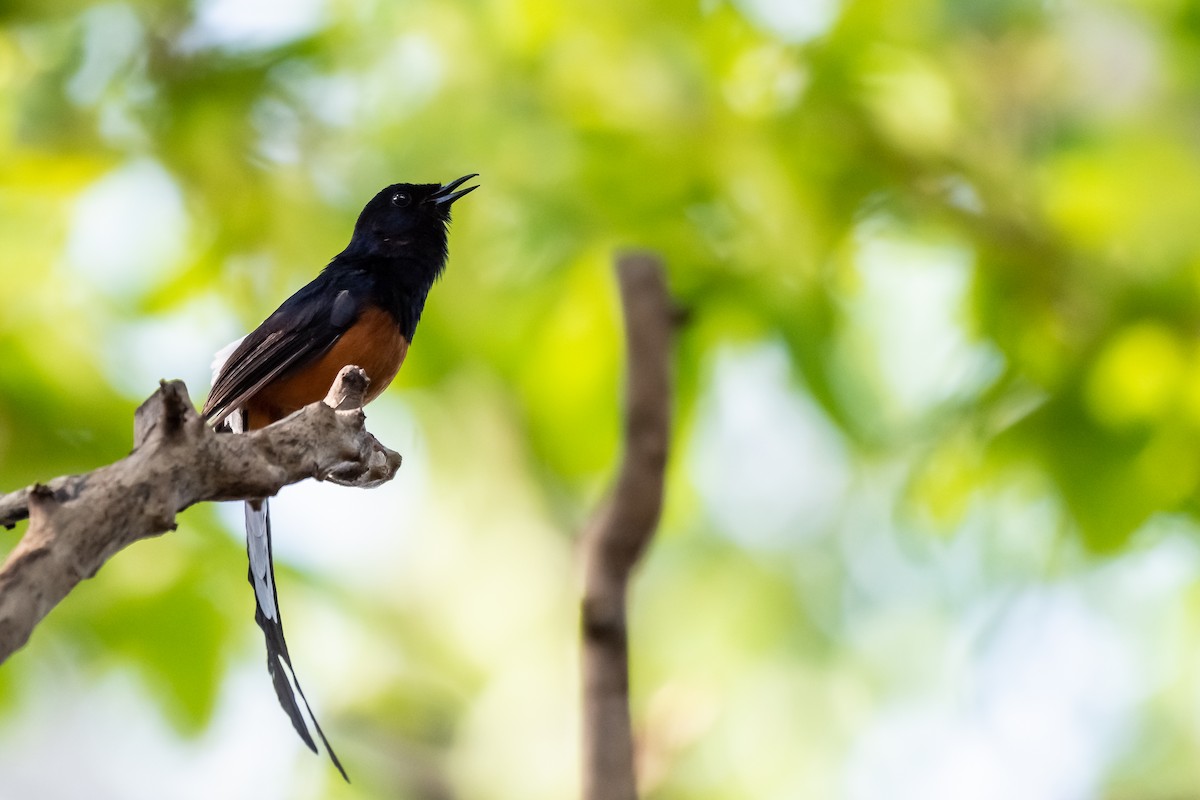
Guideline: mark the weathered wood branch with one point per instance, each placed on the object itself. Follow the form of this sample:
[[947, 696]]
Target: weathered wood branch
[[618, 534], [78, 522]]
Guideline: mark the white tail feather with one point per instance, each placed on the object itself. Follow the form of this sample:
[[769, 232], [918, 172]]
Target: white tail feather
[[259, 550]]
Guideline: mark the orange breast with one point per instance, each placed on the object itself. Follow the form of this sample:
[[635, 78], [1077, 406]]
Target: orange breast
[[374, 343]]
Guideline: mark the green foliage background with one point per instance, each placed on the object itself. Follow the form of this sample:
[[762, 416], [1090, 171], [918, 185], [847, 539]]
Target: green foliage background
[[939, 394]]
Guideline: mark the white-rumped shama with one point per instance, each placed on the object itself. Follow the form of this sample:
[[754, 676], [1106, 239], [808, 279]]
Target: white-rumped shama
[[363, 310]]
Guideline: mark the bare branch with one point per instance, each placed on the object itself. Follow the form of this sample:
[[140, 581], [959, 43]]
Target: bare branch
[[618, 534], [78, 522]]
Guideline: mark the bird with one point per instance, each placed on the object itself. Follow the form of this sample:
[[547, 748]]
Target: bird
[[362, 309]]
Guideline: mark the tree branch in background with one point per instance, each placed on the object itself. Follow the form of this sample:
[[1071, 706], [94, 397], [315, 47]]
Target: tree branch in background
[[617, 535], [78, 522]]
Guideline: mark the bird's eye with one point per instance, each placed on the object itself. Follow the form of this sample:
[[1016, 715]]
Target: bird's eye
[[400, 199]]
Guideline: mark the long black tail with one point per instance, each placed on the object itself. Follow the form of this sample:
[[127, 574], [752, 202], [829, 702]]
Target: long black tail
[[266, 614]]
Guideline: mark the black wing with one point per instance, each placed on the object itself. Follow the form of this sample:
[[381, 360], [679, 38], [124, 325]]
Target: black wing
[[302, 329]]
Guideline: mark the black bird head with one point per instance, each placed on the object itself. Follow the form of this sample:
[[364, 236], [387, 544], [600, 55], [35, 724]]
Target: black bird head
[[408, 221]]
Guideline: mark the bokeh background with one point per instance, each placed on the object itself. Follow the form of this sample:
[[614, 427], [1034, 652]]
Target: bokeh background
[[932, 525]]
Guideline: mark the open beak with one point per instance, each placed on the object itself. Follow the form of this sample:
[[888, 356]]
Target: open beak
[[445, 195]]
